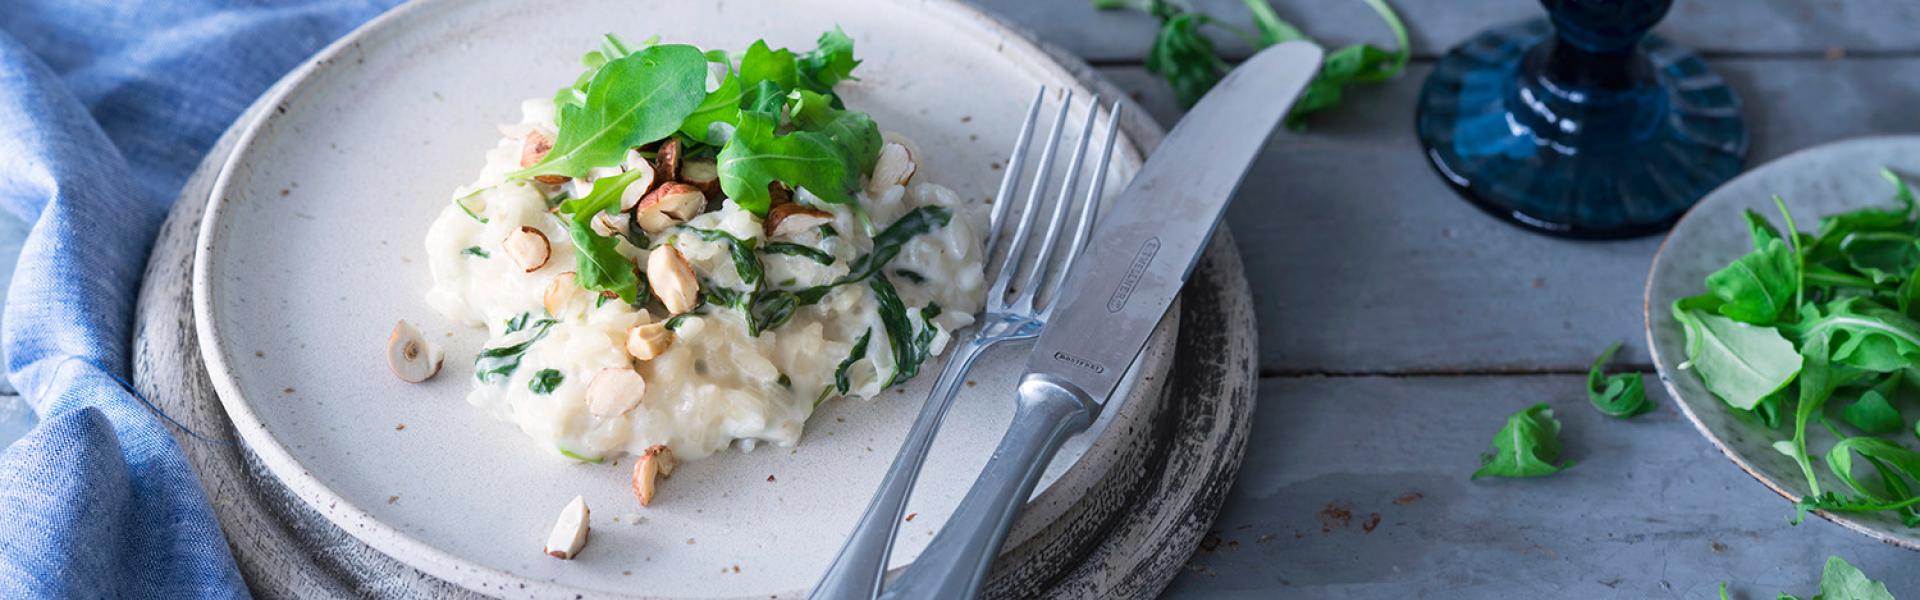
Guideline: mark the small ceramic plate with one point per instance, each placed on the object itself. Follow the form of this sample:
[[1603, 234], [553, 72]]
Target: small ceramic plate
[[313, 247], [1813, 183]]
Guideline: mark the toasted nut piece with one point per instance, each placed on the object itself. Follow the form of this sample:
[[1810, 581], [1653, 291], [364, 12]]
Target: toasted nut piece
[[638, 188], [412, 358], [894, 167], [614, 391], [791, 218], [611, 224], [778, 194], [569, 531], [560, 291], [670, 204], [672, 279], [536, 150], [644, 342], [528, 247], [895, 137], [656, 462], [666, 162], [702, 173]]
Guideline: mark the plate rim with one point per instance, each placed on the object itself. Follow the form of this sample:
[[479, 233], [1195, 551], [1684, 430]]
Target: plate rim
[[278, 459], [1666, 377]]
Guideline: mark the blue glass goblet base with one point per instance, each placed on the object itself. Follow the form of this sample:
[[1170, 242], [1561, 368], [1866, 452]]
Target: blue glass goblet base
[[1598, 162]]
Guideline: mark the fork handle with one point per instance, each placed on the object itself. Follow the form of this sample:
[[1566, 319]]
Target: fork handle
[[954, 566], [857, 571]]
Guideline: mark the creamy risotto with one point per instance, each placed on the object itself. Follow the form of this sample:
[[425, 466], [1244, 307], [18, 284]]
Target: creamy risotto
[[779, 313]]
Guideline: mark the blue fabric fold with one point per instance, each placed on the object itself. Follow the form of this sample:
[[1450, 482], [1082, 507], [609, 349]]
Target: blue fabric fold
[[108, 107]]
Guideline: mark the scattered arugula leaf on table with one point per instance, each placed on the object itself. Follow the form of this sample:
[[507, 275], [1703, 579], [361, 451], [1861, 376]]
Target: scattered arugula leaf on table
[[1528, 446], [1842, 581], [1182, 53], [1621, 396]]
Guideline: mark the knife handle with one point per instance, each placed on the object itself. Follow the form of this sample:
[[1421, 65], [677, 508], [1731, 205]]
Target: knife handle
[[955, 563]]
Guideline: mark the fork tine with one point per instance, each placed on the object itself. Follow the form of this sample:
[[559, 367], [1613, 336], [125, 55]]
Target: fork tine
[[1015, 162], [1016, 248], [1030, 290], [1085, 227]]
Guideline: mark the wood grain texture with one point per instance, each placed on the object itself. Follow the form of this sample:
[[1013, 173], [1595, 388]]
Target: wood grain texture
[[1363, 261], [1715, 27], [1649, 510]]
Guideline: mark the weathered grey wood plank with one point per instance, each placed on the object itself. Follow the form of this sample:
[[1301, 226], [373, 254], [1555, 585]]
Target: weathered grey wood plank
[[1650, 510], [1743, 27], [1363, 261]]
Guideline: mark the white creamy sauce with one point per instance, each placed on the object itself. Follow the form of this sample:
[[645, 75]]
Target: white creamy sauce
[[716, 384]]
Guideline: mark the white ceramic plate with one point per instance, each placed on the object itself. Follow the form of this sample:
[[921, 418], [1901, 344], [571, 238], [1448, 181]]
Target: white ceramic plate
[[1813, 183], [312, 248]]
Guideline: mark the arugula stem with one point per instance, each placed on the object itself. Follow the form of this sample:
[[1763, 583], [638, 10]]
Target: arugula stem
[[1799, 257], [1273, 29], [1800, 415]]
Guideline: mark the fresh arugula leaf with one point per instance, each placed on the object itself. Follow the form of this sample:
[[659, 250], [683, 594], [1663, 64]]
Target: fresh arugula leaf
[[545, 380], [598, 264], [476, 251], [1742, 364], [1840, 581], [1185, 56], [1528, 446], [633, 100], [720, 107], [1273, 29], [762, 63], [792, 249], [501, 362], [1621, 396], [829, 63], [841, 382], [817, 162], [1359, 63], [1863, 334], [1758, 287], [1896, 467], [1882, 255], [1873, 413]]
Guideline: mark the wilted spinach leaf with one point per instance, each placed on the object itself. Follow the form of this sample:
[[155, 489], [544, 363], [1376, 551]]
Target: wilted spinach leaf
[[545, 380]]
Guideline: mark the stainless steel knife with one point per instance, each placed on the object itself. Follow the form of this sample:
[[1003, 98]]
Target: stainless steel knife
[[1139, 257]]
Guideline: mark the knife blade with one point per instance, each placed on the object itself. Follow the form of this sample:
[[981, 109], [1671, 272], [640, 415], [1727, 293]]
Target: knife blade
[[1139, 259], [1144, 249]]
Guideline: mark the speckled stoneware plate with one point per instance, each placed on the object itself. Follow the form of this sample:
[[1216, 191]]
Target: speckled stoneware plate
[[1814, 182], [312, 248]]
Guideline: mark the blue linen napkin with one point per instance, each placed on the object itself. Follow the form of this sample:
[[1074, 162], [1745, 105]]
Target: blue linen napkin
[[105, 108]]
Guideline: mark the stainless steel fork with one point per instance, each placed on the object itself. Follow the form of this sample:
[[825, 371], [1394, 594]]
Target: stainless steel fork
[[1012, 313]]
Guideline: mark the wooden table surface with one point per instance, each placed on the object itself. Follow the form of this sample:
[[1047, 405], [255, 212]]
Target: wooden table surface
[[1399, 326]]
